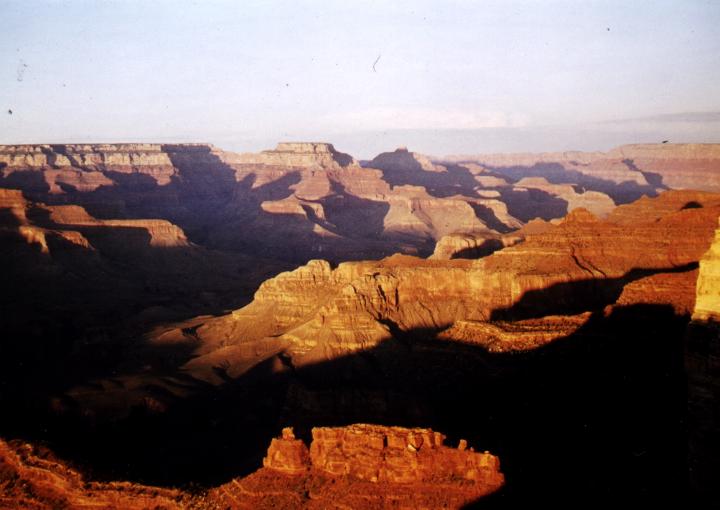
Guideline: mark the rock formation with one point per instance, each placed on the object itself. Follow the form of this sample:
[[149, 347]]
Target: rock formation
[[368, 466], [299, 154], [31, 478], [624, 172], [129, 271], [301, 200], [702, 360], [365, 466], [583, 263], [707, 307]]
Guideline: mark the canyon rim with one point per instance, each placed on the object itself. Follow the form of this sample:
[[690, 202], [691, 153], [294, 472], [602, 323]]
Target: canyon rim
[[359, 256]]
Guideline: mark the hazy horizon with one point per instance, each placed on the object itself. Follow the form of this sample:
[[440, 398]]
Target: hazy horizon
[[438, 77]]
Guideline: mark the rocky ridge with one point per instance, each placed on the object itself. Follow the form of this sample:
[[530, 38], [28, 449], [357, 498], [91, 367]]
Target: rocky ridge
[[306, 200], [367, 465], [643, 252]]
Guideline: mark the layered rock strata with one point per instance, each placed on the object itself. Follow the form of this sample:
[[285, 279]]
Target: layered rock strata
[[583, 263], [368, 466], [622, 172], [31, 478], [358, 466]]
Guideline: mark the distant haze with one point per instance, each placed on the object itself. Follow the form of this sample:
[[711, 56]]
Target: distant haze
[[440, 77]]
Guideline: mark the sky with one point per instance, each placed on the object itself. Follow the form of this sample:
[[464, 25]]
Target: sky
[[441, 77]]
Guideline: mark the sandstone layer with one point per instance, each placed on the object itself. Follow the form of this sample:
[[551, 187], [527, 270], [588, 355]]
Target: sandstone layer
[[358, 466], [306, 200], [621, 171], [645, 253], [365, 466]]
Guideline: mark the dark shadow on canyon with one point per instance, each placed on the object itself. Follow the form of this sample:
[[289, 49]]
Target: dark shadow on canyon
[[569, 298], [528, 204], [487, 247], [556, 173], [597, 415], [406, 170], [217, 211]]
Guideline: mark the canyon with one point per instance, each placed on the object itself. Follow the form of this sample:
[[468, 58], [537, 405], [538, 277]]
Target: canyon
[[173, 309]]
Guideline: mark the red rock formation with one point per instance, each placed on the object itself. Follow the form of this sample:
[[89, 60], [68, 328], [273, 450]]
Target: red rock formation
[[362, 466], [31, 478], [323, 313], [644, 166], [303, 200], [365, 466], [597, 203]]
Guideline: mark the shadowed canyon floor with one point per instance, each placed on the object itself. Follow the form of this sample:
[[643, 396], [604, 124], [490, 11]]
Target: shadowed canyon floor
[[156, 331]]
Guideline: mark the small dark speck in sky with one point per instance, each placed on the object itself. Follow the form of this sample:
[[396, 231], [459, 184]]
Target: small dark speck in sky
[[287, 84], [608, 29], [9, 112]]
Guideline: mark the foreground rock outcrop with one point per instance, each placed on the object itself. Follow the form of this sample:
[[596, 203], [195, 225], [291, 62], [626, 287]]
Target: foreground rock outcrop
[[358, 466], [32, 478], [365, 466]]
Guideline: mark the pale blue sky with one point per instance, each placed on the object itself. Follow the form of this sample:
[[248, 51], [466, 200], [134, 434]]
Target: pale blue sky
[[451, 76]]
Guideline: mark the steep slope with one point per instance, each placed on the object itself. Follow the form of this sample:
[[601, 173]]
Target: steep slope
[[643, 253], [569, 338], [365, 466], [580, 264], [702, 353], [307, 200], [31, 478], [359, 466]]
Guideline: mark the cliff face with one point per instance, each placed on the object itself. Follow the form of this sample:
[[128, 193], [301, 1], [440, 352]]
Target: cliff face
[[645, 252], [306, 200], [299, 154], [125, 263], [707, 307], [299, 201], [365, 466], [623, 172], [702, 361]]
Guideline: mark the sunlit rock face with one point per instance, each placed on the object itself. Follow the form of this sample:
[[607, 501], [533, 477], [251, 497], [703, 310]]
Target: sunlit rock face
[[31, 477], [645, 252], [361, 466], [365, 466], [624, 172], [707, 306], [702, 361], [305, 200], [300, 154], [133, 269]]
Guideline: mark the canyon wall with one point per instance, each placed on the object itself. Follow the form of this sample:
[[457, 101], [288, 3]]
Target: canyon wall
[[307, 200], [702, 360], [645, 252]]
